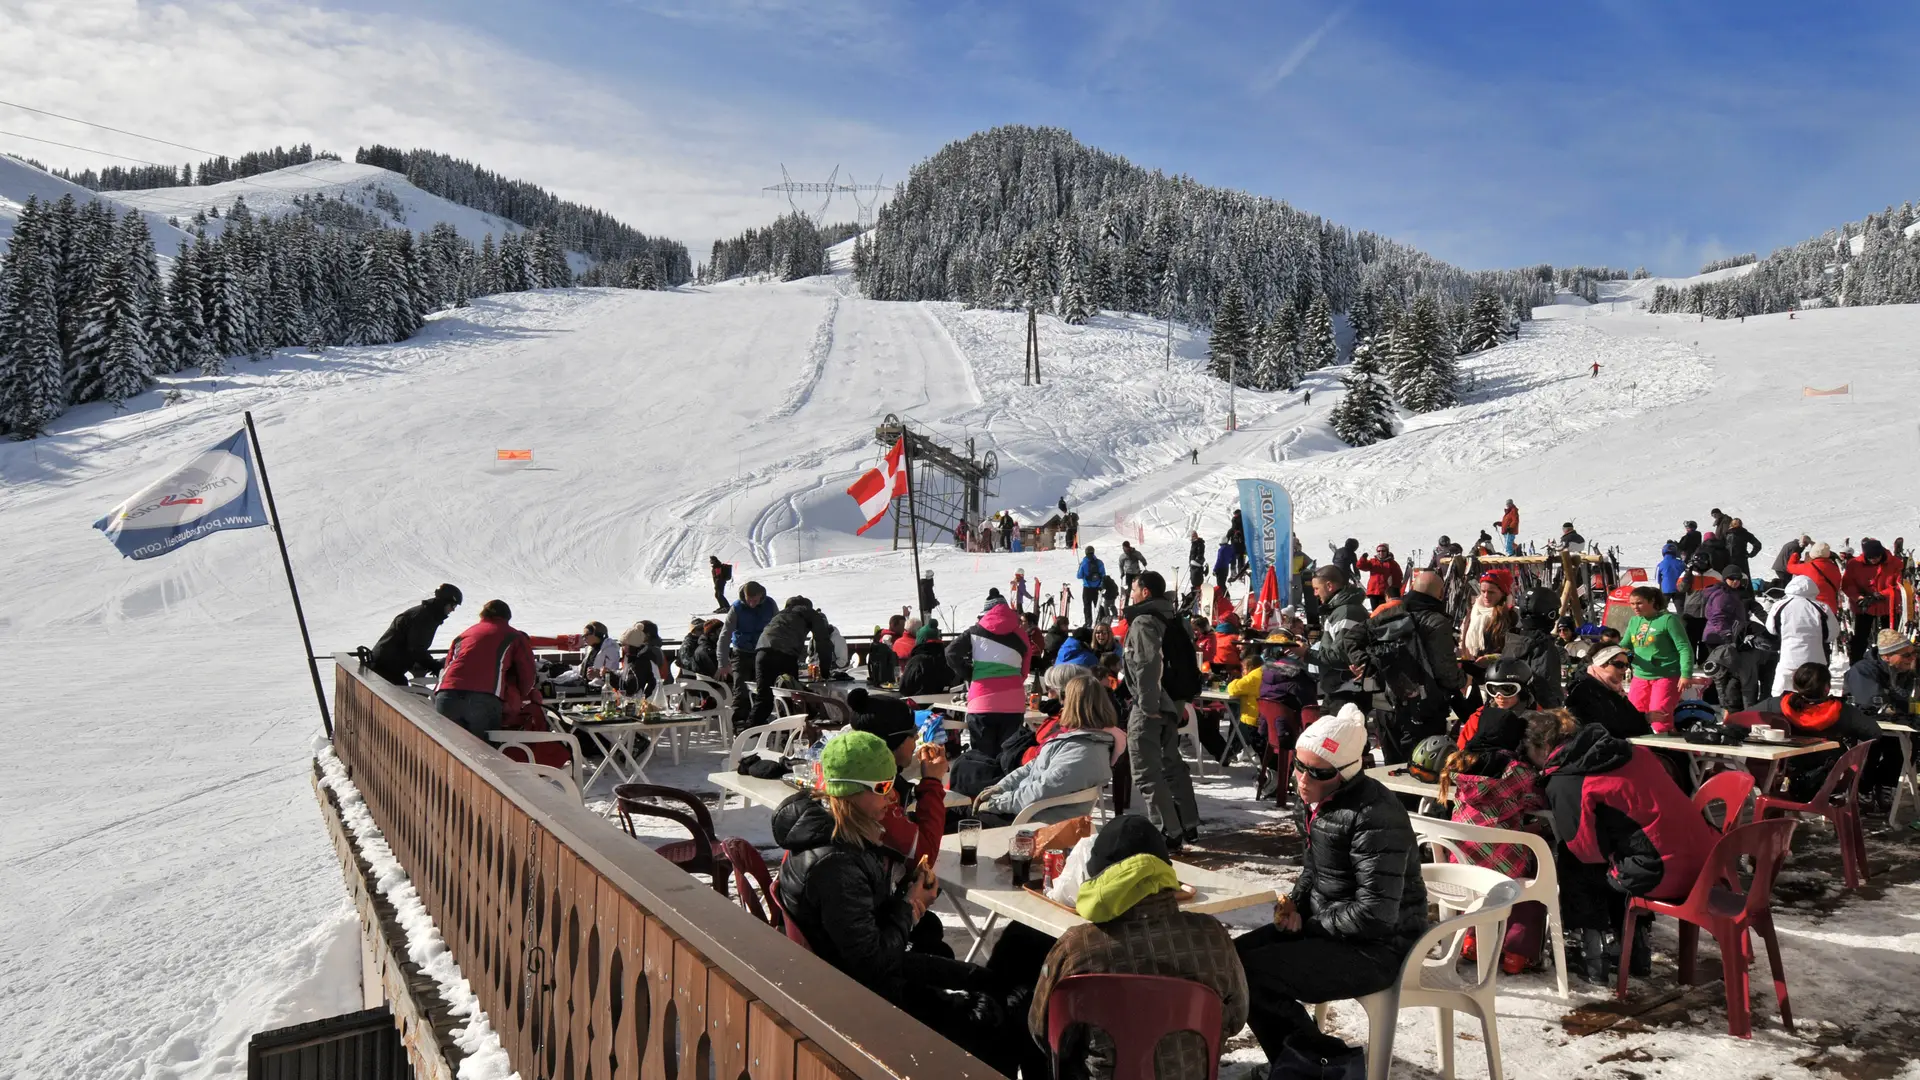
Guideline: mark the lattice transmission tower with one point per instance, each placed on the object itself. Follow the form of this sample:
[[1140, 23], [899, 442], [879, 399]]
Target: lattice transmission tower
[[831, 187]]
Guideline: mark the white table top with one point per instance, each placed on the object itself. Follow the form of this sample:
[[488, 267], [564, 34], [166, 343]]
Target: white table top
[[771, 793], [992, 887], [1404, 783], [1215, 695], [1752, 748], [1889, 727], [959, 708]]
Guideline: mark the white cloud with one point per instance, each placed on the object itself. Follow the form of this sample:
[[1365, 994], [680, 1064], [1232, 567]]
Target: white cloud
[[1292, 61], [235, 78]]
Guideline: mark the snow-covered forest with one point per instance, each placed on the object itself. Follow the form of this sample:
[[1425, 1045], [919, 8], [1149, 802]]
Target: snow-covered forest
[[1874, 261], [85, 314], [214, 170], [791, 248]]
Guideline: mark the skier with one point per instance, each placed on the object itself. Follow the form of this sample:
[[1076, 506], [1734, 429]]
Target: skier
[[1596, 369], [1006, 531], [1063, 504], [1196, 455], [1346, 556], [1237, 536], [1383, 575], [1132, 564], [1509, 526], [722, 573], [1017, 588], [1196, 568], [1093, 574], [1307, 398], [1072, 524], [1223, 565]]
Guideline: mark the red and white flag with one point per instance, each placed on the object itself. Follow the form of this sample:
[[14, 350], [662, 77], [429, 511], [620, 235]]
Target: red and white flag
[[877, 488]]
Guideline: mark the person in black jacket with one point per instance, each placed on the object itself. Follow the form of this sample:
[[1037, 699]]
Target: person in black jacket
[[855, 903], [722, 573], [403, 649], [1413, 720], [1196, 569], [783, 646], [1742, 546], [1357, 907], [1343, 637], [1599, 696], [1535, 645], [926, 670], [1689, 540]]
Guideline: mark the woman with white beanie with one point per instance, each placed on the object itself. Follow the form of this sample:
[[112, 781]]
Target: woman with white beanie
[[1359, 903]]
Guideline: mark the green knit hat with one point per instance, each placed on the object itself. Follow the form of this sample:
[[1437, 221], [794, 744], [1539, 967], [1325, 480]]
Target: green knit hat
[[855, 755]]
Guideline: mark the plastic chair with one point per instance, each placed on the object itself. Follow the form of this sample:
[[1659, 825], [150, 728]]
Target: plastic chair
[[1284, 725], [1088, 797], [750, 874], [1136, 1012], [1543, 888], [1189, 734], [1437, 982], [559, 778], [700, 855], [1729, 788], [684, 691], [1829, 803], [772, 739], [1728, 914], [525, 741], [787, 925]]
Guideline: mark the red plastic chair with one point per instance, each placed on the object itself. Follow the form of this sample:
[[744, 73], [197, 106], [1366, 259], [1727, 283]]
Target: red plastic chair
[[787, 925], [1136, 1012], [1716, 905], [1828, 802], [750, 874], [1730, 788], [1284, 725], [699, 855]]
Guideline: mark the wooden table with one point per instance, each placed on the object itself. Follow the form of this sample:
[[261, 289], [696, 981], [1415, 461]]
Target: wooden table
[[1751, 750], [1909, 783], [771, 793], [992, 888]]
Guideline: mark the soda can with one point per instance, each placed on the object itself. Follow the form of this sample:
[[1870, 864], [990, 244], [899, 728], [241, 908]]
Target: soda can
[[1056, 861]]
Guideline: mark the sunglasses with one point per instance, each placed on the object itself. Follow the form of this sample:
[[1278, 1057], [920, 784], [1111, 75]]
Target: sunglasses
[[1504, 689], [878, 787], [1321, 773], [1623, 665]]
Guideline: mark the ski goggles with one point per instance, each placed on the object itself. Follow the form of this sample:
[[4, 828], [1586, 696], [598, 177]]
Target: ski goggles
[[1322, 773], [1504, 689], [878, 787]]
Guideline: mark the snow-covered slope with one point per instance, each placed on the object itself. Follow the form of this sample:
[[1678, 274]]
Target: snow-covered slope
[[167, 887], [20, 181], [381, 192], [1858, 244]]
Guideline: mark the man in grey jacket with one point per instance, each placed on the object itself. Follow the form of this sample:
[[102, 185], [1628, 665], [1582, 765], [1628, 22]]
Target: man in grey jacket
[[1153, 726]]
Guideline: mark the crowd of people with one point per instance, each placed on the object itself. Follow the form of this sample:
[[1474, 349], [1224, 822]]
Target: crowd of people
[[1524, 704]]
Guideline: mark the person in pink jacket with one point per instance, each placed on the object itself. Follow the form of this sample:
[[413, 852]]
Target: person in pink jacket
[[993, 656]]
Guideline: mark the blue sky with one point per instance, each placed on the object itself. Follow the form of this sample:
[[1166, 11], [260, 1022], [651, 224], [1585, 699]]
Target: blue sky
[[1490, 133]]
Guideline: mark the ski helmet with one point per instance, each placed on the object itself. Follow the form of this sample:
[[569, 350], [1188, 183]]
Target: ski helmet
[[1695, 714], [1428, 758], [1510, 669]]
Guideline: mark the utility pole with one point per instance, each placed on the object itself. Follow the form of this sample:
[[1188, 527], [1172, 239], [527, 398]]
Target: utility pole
[[1169, 338], [1233, 361], [1030, 373], [913, 518]]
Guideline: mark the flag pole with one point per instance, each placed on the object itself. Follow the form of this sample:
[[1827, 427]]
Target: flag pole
[[913, 516], [266, 488]]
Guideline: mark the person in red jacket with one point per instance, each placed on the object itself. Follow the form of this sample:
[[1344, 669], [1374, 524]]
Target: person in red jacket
[[1816, 564], [1509, 526], [1383, 575], [489, 673], [1872, 586], [1627, 828]]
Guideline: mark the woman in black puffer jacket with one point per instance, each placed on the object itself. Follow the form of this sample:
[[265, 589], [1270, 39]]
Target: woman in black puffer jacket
[[856, 905]]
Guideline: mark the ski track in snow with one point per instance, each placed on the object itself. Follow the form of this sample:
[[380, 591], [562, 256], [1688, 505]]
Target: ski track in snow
[[171, 889]]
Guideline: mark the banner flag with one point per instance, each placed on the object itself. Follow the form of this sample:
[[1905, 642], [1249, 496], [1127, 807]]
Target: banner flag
[[877, 488], [216, 491], [1266, 519], [513, 455], [1844, 389]]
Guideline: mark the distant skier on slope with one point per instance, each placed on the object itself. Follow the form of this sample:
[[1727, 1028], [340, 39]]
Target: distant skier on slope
[[1307, 398], [1596, 369]]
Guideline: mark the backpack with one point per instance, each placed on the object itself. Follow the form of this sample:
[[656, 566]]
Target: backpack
[[1179, 661], [1397, 657]]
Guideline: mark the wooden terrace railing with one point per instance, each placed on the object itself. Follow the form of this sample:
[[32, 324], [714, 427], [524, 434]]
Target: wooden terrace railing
[[594, 958]]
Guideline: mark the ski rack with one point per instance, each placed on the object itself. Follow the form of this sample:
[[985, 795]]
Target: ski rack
[[948, 485]]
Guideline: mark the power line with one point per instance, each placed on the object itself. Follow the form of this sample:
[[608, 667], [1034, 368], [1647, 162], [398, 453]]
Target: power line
[[104, 127], [85, 149]]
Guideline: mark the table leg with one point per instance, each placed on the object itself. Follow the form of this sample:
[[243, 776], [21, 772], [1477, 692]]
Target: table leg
[[606, 759], [993, 919], [960, 909], [674, 736], [1909, 783]]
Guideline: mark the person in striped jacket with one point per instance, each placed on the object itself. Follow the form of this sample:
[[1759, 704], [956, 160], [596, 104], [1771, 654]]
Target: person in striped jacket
[[992, 655]]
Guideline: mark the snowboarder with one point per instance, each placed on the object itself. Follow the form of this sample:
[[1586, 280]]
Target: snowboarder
[[722, 573], [1509, 526]]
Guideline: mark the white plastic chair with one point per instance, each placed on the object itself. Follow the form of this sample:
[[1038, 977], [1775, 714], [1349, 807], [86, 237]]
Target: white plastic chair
[[1089, 798], [773, 739], [559, 778], [1543, 888], [1190, 733], [525, 740], [720, 713], [783, 701], [1435, 982]]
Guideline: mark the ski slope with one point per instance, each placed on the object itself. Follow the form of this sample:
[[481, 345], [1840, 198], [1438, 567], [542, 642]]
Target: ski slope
[[167, 888], [20, 181], [365, 186]]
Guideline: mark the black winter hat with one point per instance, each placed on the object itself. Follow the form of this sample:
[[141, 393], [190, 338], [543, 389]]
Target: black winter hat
[[1872, 550], [1122, 838], [448, 593], [883, 715]]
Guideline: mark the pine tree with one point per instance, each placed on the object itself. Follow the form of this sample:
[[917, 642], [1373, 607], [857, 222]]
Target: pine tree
[[1364, 416], [487, 272], [1317, 346], [1232, 334], [1423, 369], [1075, 305], [33, 388], [1486, 323], [113, 330]]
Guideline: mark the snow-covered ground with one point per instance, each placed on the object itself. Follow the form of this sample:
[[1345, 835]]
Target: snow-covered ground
[[382, 192], [20, 181], [168, 888]]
